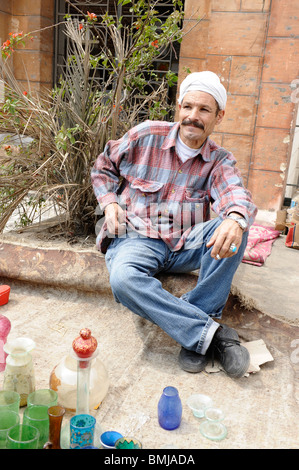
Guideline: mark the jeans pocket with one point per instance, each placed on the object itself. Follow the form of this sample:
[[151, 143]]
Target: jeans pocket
[[110, 252]]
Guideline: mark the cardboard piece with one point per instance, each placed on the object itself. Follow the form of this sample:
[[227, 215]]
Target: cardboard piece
[[281, 219], [259, 354]]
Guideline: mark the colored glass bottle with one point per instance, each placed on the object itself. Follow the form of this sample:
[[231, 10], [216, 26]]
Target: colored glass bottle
[[85, 349], [5, 327], [19, 372], [56, 414], [170, 409]]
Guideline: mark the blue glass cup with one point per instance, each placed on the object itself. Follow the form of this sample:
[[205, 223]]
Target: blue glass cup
[[170, 409], [82, 429]]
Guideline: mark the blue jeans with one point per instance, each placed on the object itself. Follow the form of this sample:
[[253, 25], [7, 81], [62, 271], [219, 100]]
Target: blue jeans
[[133, 263]]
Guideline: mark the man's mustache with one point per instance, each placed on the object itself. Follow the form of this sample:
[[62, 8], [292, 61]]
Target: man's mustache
[[188, 122]]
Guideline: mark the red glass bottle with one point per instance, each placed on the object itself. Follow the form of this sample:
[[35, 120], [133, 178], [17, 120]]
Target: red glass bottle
[[5, 327]]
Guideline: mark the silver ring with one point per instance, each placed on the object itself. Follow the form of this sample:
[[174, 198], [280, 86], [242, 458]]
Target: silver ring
[[233, 248], [218, 257]]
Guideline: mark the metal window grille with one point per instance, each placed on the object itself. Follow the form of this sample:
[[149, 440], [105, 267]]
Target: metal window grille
[[169, 61]]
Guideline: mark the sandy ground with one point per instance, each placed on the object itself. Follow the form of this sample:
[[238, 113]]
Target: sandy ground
[[261, 410]]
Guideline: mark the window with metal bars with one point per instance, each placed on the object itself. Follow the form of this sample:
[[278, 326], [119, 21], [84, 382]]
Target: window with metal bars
[[169, 60]]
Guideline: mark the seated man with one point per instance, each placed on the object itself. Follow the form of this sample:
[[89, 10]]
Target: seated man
[[155, 186]]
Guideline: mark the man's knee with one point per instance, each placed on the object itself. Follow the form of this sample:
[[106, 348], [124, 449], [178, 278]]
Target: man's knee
[[120, 280]]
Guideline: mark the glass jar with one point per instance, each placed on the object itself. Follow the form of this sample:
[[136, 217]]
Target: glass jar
[[170, 409], [19, 372]]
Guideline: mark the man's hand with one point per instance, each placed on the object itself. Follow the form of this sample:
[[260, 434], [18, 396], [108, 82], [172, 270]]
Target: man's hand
[[226, 233], [115, 218]]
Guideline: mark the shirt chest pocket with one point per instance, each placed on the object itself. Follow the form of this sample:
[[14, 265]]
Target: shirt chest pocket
[[142, 192], [198, 201], [195, 195]]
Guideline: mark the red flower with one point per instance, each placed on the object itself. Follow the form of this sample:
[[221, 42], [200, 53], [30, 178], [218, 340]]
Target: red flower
[[15, 35], [7, 46], [92, 16], [80, 26], [25, 93], [155, 43]]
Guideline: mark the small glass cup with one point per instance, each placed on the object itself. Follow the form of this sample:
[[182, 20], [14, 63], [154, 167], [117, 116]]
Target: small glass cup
[[82, 431], [213, 428], [45, 397], [22, 436], [10, 399], [198, 403], [109, 438], [37, 416], [8, 419], [128, 443]]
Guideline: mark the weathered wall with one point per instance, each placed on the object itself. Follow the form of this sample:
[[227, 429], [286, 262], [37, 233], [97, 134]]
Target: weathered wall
[[34, 62], [253, 45]]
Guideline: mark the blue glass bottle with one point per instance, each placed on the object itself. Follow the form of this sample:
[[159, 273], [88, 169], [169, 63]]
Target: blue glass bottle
[[170, 409]]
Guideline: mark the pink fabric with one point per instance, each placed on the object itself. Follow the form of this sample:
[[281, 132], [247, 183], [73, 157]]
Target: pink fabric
[[259, 244]]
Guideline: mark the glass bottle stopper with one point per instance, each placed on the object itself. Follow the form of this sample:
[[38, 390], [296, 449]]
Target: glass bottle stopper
[[84, 347]]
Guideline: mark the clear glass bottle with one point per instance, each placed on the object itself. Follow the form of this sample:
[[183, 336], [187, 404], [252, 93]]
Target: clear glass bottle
[[84, 347], [70, 380], [19, 372], [64, 378], [87, 390]]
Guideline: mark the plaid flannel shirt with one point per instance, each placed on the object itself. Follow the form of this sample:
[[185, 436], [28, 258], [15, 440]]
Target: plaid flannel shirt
[[163, 197]]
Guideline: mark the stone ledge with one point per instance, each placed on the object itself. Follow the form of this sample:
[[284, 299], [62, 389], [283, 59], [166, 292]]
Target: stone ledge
[[67, 268], [54, 267], [58, 264]]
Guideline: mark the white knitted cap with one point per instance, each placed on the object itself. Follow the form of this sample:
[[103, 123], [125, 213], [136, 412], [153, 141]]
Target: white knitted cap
[[206, 81]]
